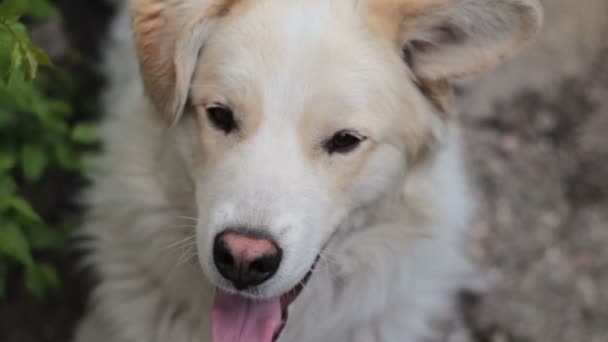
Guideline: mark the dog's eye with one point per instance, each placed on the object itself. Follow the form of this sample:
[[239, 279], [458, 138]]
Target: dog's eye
[[222, 118], [343, 142]]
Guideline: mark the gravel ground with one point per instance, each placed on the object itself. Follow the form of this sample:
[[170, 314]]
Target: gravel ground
[[535, 131], [536, 136], [541, 164]]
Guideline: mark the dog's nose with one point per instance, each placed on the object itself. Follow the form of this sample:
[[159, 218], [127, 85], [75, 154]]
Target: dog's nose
[[245, 259]]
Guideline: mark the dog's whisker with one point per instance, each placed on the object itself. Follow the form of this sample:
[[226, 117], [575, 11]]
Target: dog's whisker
[[189, 251], [188, 218], [181, 241], [327, 263], [188, 245], [179, 227], [185, 258]]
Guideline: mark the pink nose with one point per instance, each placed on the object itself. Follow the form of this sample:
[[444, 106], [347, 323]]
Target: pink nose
[[246, 259]]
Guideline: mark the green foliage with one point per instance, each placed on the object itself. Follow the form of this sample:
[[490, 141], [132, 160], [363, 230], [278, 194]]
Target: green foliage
[[38, 134]]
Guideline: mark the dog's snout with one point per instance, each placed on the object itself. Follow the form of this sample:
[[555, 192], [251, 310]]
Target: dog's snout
[[246, 259]]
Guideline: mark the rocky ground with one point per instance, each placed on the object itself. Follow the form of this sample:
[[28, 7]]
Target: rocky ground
[[536, 139]]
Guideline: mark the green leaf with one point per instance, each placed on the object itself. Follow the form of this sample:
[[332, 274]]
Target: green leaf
[[7, 160], [8, 187], [6, 116], [9, 103], [13, 243], [68, 158], [41, 56], [15, 29], [39, 278], [6, 44], [60, 107], [34, 161], [13, 36], [35, 56], [22, 207], [13, 9], [32, 64], [34, 281], [19, 88], [44, 237], [85, 133], [22, 48], [49, 275], [50, 122], [42, 9], [16, 59]]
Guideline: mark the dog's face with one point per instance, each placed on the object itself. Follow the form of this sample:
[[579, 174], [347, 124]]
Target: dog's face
[[296, 131], [299, 113]]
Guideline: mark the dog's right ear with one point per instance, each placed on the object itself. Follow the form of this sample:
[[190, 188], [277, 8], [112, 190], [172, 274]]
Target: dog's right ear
[[168, 37]]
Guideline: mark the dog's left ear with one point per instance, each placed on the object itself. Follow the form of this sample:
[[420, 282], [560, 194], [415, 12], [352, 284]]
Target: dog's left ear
[[454, 38], [168, 37], [446, 39]]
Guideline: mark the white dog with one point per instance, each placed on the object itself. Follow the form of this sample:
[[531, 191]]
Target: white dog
[[292, 172]]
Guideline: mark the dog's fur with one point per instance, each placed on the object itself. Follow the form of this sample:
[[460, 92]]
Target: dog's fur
[[388, 219]]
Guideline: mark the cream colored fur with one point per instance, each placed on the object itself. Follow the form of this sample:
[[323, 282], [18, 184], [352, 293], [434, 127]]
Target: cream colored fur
[[392, 235]]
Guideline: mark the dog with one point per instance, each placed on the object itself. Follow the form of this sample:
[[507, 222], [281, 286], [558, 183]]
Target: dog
[[286, 170]]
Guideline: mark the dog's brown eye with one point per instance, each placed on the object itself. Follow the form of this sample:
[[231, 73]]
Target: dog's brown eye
[[343, 142], [222, 118]]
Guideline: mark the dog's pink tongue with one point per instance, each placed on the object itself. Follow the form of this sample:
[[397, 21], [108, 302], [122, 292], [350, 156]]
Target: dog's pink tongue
[[238, 319]]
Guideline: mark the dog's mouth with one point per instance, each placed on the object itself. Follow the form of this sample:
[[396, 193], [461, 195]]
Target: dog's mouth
[[236, 318]]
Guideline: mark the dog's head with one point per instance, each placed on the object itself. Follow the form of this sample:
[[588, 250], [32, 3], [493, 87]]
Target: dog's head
[[296, 113]]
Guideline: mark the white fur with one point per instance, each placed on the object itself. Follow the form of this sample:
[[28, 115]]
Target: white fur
[[395, 251]]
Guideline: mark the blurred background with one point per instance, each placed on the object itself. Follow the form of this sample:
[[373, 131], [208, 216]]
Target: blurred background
[[536, 138]]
